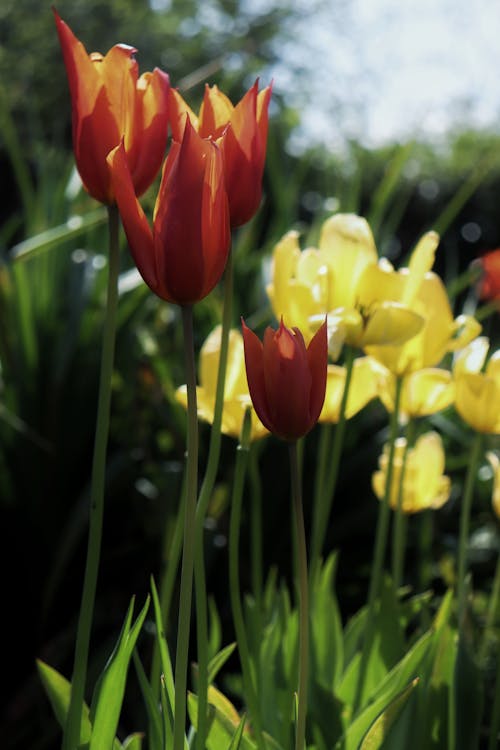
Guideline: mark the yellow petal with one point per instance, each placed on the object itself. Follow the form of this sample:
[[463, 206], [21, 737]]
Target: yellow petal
[[495, 465], [391, 323], [424, 392], [421, 261], [363, 388], [424, 485], [347, 246], [472, 357], [477, 401]]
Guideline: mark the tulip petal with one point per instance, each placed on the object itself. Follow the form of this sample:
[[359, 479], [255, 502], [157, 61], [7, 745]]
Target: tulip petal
[[136, 225], [254, 363], [215, 113], [178, 111]]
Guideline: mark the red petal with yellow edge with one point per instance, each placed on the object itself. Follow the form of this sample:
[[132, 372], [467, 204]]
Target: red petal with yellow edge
[[178, 221], [150, 129], [178, 109], [215, 112], [136, 225]]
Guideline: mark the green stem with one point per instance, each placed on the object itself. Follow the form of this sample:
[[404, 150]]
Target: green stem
[[71, 736], [171, 554], [181, 659], [301, 566], [465, 522], [325, 492], [201, 511], [400, 518], [379, 551], [234, 582], [256, 527]]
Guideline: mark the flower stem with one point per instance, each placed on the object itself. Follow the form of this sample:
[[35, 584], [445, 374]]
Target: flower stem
[[256, 526], [300, 737], [326, 482], [400, 519], [201, 510], [465, 522], [379, 551], [71, 737], [234, 583], [181, 659], [171, 554]]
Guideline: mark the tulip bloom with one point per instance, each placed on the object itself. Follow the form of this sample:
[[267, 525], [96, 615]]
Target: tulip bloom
[[424, 485], [489, 283], [477, 397], [422, 292], [236, 396], [109, 102], [424, 392], [306, 285], [241, 132], [184, 256], [286, 380]]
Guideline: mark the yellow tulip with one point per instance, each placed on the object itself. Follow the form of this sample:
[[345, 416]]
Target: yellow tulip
[[477, 397], [424, 392], [423, 292], [363, 388], [307, 285], [424, 485], [236, 396], [495, 465]]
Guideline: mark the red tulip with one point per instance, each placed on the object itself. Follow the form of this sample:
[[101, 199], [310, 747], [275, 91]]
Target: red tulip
[[489, 284], [286, 380], [242, 131], [184, 256], [109, 102]]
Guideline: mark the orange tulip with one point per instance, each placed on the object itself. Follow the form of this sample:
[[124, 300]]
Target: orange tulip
[[184, 256], [489, 284], [286, 380], [242, 130], [109, 102]]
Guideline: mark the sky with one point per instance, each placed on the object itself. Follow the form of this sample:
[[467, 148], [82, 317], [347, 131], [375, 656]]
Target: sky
[[382, 70]]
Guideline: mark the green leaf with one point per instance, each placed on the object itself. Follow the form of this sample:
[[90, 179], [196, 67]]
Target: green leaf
[[167, 692], [359, 727], [152, 709], [74, 227], [223, 723], [326, 628], [58, 690], [236, 741], [133, 742], [380, 728], [218, 661], [468, 691], [109, 692]]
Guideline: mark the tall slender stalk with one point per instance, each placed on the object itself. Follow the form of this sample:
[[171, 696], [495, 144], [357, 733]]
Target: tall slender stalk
[[256, 527], [234, 582], [475, 455], [303, 588], [400, 519], [71, 736], [329, 471], [181, 659], [379, 550], [201, 511]]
